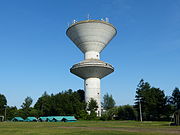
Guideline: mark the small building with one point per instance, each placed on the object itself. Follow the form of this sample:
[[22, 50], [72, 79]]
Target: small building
[[58, 118], [46, 119], [69, 119], [43, 119], [31, 119], [50, 118], [17, 119]]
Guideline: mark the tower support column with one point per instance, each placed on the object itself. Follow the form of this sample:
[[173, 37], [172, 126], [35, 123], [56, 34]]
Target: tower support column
[[91, 55], [92, 90]]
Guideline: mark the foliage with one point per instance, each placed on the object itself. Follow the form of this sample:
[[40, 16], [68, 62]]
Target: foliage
[[27, 103], [174, 105], [92, 116], [34, 112], [63, 103], [175, 99], [110, 114], [108, 102], [92, 105], [154, 104], [126, 112], [11, 112], [92, 108], [3, 103], [81, 94], [153, 101], [25, 111], [83, 114], [44, 105]]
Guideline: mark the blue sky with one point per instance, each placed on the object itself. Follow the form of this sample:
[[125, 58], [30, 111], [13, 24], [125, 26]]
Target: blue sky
[[36, 54]]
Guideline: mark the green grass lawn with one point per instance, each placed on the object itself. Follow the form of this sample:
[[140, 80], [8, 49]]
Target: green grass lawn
[[88, 128]]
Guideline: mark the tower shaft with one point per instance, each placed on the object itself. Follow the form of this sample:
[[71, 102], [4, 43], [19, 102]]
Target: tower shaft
[[92, 55], [92, 90]]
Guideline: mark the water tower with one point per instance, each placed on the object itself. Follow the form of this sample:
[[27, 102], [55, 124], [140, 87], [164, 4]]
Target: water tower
[[91, 37]]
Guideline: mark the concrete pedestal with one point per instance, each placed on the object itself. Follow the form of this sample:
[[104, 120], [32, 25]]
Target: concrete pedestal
[[92, 90]]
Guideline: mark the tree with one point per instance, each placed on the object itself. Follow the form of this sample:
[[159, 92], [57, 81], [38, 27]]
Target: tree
[[110, 114], [44, 104], [129, 112], [139, 98], [11, 112], [108, 102], [174, 103], [81, 94], [27, 103], [176, 98], [92, 108], [153, 101], [62, 103], [3, 103], [26, 107], [92, 105], [34, 112], [126, 112]]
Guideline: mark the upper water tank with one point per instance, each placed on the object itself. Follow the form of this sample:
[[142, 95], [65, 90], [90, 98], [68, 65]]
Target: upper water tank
[[91, 35]]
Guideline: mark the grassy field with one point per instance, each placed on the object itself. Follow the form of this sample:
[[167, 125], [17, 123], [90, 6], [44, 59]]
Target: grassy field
[[88, 128]]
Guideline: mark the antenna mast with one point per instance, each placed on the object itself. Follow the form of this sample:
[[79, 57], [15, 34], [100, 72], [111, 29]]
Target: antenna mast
[[88, 17]]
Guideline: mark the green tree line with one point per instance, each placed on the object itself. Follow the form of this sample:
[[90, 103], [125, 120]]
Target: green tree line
[[152, 102]]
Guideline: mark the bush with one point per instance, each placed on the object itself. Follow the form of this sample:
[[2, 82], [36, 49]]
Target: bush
[[92, 116], [126, 112], [109, 114]]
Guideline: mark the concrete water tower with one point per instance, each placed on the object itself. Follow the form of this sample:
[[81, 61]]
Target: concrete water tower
[[91, 37]]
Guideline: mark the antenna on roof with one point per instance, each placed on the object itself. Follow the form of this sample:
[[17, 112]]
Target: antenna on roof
[[102, 19], [88, 17], [74, 21], [107, 19]]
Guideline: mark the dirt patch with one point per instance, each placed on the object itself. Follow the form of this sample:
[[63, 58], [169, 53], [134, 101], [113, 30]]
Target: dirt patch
[[141, 130]]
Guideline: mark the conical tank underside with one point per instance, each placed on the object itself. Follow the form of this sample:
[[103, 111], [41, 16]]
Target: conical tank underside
[[91, 35], [92, 68]]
